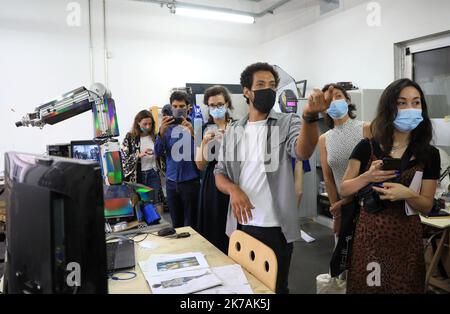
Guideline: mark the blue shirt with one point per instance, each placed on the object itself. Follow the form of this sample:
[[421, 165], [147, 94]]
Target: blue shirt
[[183, 168]]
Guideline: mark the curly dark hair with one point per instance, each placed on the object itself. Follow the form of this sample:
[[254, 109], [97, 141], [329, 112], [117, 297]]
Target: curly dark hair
[[247, 74], [383, 126], [215, 91], [351, 107], [180, 96]]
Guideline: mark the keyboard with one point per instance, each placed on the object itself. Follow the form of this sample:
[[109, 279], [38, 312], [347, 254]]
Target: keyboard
[[144, 228]]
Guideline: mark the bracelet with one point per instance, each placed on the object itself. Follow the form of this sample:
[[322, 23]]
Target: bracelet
[[310, 118]]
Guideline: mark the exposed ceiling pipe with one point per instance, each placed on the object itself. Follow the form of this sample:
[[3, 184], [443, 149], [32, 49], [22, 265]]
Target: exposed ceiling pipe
[[105, 44], [91, 46], [207, 7]]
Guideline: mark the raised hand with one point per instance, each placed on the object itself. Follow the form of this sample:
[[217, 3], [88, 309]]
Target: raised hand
[[319, 101]]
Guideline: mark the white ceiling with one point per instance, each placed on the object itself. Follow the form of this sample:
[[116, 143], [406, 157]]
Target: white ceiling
[[293, 15]]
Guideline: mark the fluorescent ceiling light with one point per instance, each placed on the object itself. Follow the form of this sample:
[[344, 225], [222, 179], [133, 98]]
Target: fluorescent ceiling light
[[215, 15]]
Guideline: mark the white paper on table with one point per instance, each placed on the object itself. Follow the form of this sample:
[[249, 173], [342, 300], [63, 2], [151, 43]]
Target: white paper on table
[[306, 237], [182, 282], [148, 245], [147, 264], [416, 185], [233, 280], [230, 274], [160, 265]]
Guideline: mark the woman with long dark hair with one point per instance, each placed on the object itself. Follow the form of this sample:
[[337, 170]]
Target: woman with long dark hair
[[139, 162], [387, 254]]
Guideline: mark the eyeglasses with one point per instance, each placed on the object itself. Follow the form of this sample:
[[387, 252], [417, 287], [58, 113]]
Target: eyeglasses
[[216, 106]]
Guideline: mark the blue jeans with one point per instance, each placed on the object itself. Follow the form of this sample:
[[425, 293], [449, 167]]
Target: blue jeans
[[151, 179]]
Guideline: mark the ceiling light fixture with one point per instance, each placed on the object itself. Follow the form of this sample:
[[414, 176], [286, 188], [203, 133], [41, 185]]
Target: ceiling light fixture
[[215, 15]]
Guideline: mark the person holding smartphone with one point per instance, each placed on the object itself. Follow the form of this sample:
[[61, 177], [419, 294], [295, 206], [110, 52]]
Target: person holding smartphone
[[176, 142], [387, 253], [139, 160], [212, 215]]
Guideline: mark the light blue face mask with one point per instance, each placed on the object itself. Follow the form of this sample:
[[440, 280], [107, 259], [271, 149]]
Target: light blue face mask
[[408, 119], [218, 113], [338, 109], [145, 131]]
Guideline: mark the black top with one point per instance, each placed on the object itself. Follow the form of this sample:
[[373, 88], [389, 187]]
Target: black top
[[362, 153], [213, 207]]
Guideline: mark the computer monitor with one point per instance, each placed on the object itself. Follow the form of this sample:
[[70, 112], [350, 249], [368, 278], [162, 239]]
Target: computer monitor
[[118, 201], [55, 227], [85, 150]]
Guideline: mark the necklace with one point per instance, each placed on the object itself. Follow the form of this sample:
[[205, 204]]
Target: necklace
[[394, 148]]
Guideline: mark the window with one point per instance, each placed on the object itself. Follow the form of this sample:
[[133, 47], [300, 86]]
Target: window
[[427, 61]]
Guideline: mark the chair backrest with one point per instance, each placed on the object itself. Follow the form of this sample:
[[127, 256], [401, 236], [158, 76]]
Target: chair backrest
[[256, 257]]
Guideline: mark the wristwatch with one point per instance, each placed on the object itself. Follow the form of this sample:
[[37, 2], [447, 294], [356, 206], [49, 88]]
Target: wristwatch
[[311, 118]]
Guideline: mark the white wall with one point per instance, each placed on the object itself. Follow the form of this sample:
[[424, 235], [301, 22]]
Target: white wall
[[153, 55], [151, 51], [40, 58], [343, 47]]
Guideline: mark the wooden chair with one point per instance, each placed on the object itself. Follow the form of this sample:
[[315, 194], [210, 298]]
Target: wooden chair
[[256, 257]]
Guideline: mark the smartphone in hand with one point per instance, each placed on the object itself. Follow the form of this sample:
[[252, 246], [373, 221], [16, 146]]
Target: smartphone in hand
[[177, 121], [392, 164]]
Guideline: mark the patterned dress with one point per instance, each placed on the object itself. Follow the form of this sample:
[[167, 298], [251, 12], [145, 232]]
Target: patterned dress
[[340, 142], [389, 238]]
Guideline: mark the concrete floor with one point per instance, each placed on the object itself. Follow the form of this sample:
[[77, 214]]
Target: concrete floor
[[310, 259]]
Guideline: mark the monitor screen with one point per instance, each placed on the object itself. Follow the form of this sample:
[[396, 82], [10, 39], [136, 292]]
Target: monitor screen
[[117, 201], [85, 150], [57, 205], [291, 104]]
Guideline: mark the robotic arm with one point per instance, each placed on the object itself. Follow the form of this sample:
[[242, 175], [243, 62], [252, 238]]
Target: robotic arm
[[98, 100], [75, 102]]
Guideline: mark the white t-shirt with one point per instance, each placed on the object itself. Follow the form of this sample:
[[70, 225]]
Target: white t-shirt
[[147, 162], [253, 178]]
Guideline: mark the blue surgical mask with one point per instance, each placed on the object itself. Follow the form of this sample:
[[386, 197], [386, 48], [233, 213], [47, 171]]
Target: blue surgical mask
[[218, 113], [338, 109], [408, 119]]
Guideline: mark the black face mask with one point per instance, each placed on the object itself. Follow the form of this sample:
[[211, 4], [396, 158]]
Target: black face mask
[[264, 99]]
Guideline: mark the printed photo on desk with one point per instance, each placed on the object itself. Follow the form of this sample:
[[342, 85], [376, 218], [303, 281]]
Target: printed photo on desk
[[167, 264], [183, 282]]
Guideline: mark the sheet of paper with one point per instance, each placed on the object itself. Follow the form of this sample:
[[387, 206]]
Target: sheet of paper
[[230, 274], [161, 265], [416, 185], [184, 282], [306, 237], [233, 280], [148, 245]]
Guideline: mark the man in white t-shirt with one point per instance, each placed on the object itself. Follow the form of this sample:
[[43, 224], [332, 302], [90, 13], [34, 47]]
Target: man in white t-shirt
[[255, 165]]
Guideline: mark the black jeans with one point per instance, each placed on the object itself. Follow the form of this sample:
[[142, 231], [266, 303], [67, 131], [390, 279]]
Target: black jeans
[[274, 238], [182, 199]]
